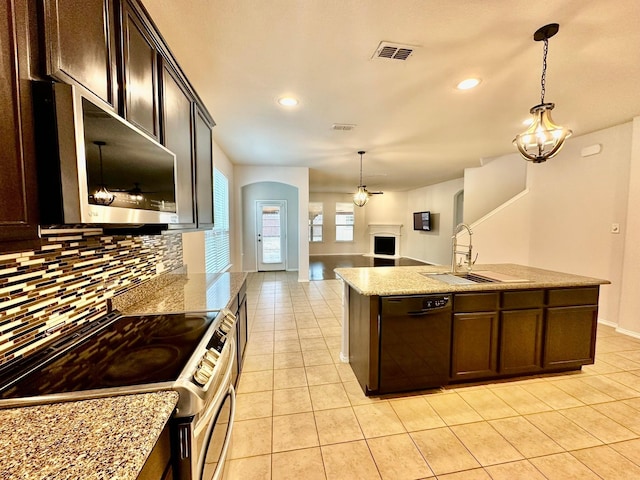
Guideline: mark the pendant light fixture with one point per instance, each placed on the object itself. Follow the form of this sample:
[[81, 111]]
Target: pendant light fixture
[[361, 197], [102, 196], [543, 139]]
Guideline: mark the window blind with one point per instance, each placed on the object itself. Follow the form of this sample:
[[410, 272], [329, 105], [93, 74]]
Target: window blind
[[217, 248]]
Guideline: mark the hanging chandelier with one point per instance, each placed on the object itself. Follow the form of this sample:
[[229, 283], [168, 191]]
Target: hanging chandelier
[[102, 196], [543, 139], [361, 197]]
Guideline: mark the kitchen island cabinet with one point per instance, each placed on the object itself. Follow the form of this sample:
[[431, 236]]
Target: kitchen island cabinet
[[542, 321]]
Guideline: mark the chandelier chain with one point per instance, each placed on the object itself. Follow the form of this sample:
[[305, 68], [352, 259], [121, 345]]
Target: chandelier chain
[[543, 79]]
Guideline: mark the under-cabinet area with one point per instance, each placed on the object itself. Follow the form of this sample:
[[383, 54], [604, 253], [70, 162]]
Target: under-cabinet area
[[419, 341]]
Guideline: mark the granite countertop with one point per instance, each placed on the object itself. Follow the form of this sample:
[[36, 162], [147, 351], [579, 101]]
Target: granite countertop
[[192, 292], [410, 281], [105, 438]]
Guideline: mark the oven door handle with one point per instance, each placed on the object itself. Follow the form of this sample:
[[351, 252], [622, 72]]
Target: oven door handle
[[217, 474]]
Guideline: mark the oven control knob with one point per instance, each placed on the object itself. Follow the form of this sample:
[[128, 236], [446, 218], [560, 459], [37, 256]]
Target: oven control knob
[[212, 356], [201, 377]]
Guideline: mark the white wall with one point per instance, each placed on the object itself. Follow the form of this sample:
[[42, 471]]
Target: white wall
[[491, 185], [434, 246], [297, 177]]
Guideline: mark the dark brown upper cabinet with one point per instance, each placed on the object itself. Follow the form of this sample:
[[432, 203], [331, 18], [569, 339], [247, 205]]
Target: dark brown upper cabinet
[[177, 136], [203, 159], [80, 44], [139, 71], [18, 191]]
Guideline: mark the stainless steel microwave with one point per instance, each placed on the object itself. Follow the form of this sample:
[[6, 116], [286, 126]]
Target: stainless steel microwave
[[96, 168]]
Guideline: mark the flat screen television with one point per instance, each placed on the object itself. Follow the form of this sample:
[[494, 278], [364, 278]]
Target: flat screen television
[[422, 221]]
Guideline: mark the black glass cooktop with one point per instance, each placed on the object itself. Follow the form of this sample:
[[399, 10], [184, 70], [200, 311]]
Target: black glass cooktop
[[130, 350]]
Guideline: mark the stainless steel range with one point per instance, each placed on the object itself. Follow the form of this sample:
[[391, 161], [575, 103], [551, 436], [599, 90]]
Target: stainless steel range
[[194, 354]]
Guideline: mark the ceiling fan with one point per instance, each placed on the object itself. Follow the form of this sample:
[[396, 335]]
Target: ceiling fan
[[361, 197]]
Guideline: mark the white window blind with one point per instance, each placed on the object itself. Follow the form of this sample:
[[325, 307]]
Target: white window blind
[[344, 222], [217, 249], [315, 221]]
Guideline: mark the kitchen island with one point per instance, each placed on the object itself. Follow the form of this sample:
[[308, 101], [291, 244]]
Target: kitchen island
[[407, 328]]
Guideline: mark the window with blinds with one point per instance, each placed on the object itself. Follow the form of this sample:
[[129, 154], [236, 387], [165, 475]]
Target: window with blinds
[[217, 248]]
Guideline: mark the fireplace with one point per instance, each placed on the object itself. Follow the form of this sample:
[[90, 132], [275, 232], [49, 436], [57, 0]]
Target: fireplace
[[384, 241], [384, 245]]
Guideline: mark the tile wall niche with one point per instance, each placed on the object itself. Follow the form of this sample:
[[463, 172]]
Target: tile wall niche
[[65, 283]]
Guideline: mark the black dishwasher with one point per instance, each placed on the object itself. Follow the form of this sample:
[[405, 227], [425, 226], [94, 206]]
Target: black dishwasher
[[415, 342]]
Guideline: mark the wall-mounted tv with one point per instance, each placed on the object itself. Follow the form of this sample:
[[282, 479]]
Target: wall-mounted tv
[[422, 221]]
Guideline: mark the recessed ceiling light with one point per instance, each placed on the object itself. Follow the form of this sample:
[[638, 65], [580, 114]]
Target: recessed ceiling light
[[468, 84], [288, 101]]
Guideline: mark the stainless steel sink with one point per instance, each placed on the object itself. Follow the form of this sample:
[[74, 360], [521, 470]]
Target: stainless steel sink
[[470, 278]]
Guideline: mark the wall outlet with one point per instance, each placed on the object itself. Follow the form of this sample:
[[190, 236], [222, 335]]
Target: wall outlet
[[615, 228]]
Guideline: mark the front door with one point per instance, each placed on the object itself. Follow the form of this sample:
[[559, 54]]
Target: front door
[[271, 228]]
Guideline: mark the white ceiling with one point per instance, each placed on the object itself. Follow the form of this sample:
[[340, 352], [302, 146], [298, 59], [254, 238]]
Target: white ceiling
[[417, 129]]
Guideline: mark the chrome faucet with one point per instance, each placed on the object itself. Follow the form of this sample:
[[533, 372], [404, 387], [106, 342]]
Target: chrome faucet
[[455, 246]]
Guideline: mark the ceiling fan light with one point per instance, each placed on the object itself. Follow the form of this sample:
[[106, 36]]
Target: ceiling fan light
[[361, 197], [103, 196], [543, 139]]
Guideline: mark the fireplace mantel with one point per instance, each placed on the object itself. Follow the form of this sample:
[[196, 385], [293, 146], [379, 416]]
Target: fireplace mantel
[[384, 230]]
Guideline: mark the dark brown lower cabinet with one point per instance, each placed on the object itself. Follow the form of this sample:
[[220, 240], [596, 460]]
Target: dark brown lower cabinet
[[474, 352], [158, 464], [570, 339], [521, 341]]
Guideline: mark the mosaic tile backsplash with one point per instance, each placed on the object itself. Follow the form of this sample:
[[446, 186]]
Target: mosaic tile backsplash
[[46, 292]]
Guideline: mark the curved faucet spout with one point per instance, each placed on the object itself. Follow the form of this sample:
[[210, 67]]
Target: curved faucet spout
[[454, 247]]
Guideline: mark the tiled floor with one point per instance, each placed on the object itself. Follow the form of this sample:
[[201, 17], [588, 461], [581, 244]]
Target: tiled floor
[[302, 415]]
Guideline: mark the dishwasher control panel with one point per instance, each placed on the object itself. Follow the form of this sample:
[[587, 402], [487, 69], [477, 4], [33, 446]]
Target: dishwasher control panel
[[435, 302]]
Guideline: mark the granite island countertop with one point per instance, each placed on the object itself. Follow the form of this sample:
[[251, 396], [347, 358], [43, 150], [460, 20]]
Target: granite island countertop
[[411, 281], [104, 438]]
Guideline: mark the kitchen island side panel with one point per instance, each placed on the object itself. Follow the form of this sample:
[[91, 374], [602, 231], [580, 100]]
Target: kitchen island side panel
[[363, 339]]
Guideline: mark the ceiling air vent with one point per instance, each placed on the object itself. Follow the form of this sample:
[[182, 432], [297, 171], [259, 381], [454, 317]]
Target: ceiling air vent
[[343, 127], [393, 51]]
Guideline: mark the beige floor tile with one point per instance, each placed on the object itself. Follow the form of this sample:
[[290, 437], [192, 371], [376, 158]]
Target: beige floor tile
[[486, 444], [563, 466], [563, 431], [255, 468], [284, 335], [526, 438], [289, 378], [520, 400], [291, 400], [254, 405], [618, 360], [475, 474], [317, 357], [287, 360], [378, 419], [285, 346], [453, 409], [254, 363], [622, 413], [514, 470], [332, 395], [398, 458], [346, 372], [487, 404], [308, 344], [608, 463], [357, 396], [321, 374], [298, 464], [583, 392], [337, 426], [262, 327], [255, 381], [292, 432], [349, 461], [331, 330], [630, 449], [598, 425], [416, 413], [552, 395], [250, 438], [628, 379], [313, 332], [612, 388], [443, 451]]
